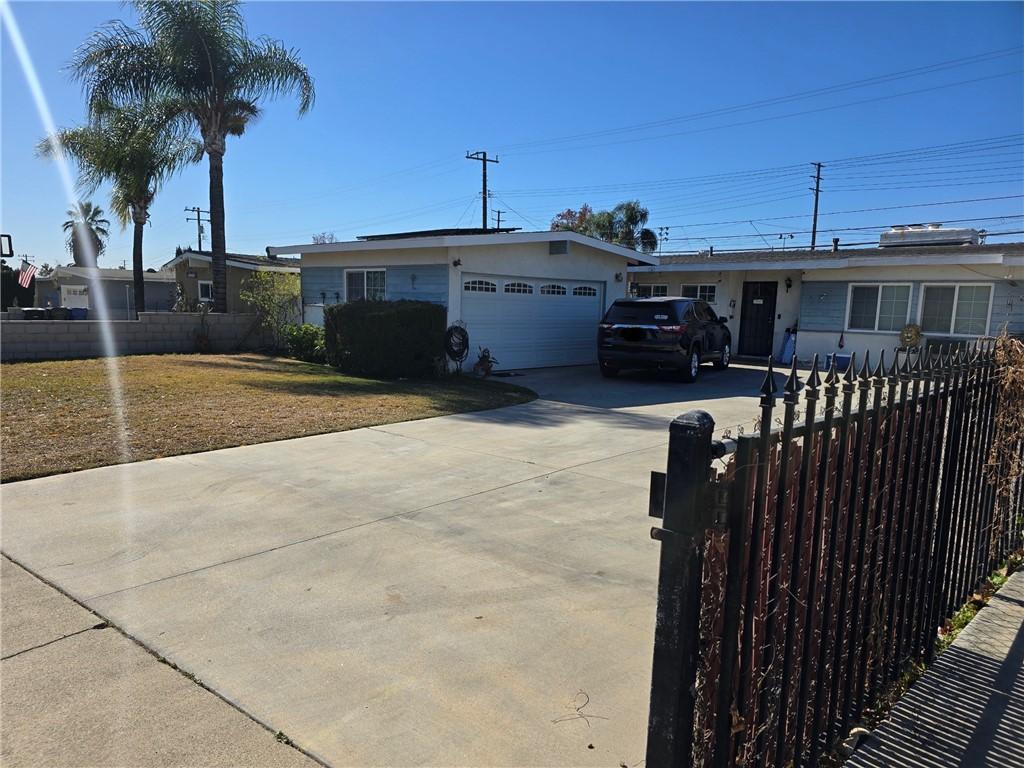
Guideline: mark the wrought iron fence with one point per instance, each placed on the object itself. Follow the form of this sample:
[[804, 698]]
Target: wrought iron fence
[[797, 583]]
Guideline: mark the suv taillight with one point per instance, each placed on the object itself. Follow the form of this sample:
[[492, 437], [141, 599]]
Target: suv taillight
[[605, 326], [678, 329]]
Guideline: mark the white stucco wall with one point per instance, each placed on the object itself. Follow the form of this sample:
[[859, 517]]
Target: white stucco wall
[[1007, 305], [729, 294]]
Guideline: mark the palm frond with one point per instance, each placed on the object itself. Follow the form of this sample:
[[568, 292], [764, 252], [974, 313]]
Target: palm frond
[[268, 68], [118, 64]]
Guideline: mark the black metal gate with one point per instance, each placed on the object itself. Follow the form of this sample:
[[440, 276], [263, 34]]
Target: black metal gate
[[799, 581]]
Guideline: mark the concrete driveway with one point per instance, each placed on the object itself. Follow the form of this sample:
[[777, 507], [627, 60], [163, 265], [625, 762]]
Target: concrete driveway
[[465, 590]]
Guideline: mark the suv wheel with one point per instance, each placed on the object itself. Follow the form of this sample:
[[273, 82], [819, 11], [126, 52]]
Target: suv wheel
[[692, 369], [723, 362]]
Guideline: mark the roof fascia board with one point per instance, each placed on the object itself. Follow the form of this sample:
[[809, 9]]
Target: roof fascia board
[[461, 241], [932, 260]]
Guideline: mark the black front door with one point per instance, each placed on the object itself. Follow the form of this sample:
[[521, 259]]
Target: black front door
[[757, 319]]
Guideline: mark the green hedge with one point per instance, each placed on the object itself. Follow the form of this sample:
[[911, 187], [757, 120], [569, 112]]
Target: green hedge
[[387, 339]]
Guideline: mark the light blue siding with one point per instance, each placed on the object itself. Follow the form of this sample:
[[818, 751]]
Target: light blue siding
[[1007, 307], [422, 282], [326, 280], [823, 305]]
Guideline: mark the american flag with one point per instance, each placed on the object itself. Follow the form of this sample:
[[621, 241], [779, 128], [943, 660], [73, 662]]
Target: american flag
[[27, 273]]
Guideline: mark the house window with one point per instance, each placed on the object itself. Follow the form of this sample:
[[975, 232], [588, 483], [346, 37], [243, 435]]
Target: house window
[[698, 291], [584, 290], [518, 288], [553, 290], [957, 309], [647, 290], [368, 284], [878, 307], [479, 286], [206, 290]]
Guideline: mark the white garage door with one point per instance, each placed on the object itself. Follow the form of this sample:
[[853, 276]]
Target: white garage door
[[532, 322]]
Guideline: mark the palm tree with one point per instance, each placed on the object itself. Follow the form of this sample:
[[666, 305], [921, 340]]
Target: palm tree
[[136, 149], [87, 232], [625, 224], [197, 55]]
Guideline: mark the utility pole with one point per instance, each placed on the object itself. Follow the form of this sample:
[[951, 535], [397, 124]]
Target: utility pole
[[498, 214], [817, 192], [199, 222], [484, 160]]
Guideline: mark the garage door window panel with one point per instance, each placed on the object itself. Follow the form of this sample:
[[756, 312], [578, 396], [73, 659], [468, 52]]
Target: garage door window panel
[[552, 290], [368, 284], [584, 290], [518, 287], [480, 286]]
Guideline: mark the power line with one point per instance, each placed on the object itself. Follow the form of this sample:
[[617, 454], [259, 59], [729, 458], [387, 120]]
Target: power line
[[763, 235], [827, 90], [856, 210], [759, 120]]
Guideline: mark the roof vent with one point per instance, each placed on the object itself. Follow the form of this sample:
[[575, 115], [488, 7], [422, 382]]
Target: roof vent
[[558, 247], [927, 234]]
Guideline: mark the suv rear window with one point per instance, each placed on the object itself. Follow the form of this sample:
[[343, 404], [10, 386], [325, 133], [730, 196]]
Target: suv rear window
[[643, 313]]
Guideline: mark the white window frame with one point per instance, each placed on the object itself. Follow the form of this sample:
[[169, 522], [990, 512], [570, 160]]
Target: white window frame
[[698, 286], [956, 300], [585, 291], [364, 270], [652, 286], [199, 291], [878, 305]]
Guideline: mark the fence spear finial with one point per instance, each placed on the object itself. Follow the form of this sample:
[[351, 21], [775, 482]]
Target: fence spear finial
[[814, 380], [793, 381], [832, 375], [848, 374], [879, 371], [768, 386], [865, 369]]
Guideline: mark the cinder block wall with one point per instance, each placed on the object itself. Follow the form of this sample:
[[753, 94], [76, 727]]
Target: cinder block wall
[[152, 333]]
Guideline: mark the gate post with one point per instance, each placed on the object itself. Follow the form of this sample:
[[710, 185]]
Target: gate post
[[688, 511]]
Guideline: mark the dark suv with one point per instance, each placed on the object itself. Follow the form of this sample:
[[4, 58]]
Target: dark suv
[[662, 333]]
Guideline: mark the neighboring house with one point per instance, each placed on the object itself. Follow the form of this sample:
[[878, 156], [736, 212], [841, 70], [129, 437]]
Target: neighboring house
[[533, 298], [194, 272], [75, 286], [853, 300]]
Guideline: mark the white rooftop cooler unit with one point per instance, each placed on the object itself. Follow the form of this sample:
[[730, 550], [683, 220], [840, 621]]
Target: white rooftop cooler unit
[[927, 234]]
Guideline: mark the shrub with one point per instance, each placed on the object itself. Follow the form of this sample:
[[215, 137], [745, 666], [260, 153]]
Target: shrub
[[274, 297], [306, 342], [387, 339]]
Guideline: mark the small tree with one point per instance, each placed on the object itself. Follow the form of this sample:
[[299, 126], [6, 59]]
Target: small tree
[[320, 238], [274, 297]]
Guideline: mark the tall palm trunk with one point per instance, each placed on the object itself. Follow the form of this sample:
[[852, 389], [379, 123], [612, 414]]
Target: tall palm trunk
[[138, 274], [218, 247]]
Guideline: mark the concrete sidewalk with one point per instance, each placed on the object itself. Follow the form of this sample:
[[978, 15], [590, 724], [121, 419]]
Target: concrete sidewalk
[[968, 708], [77, 692]]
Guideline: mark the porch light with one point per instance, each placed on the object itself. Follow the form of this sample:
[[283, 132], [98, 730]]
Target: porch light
[[789, 283]]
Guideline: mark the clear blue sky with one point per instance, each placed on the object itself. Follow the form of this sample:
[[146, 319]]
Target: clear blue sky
[[407, 85]]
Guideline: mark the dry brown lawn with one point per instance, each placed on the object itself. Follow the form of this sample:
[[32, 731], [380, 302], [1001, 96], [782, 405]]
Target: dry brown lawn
[[59, 416]]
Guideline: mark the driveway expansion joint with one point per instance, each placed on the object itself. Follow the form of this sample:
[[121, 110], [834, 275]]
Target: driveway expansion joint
[[106, 623]]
